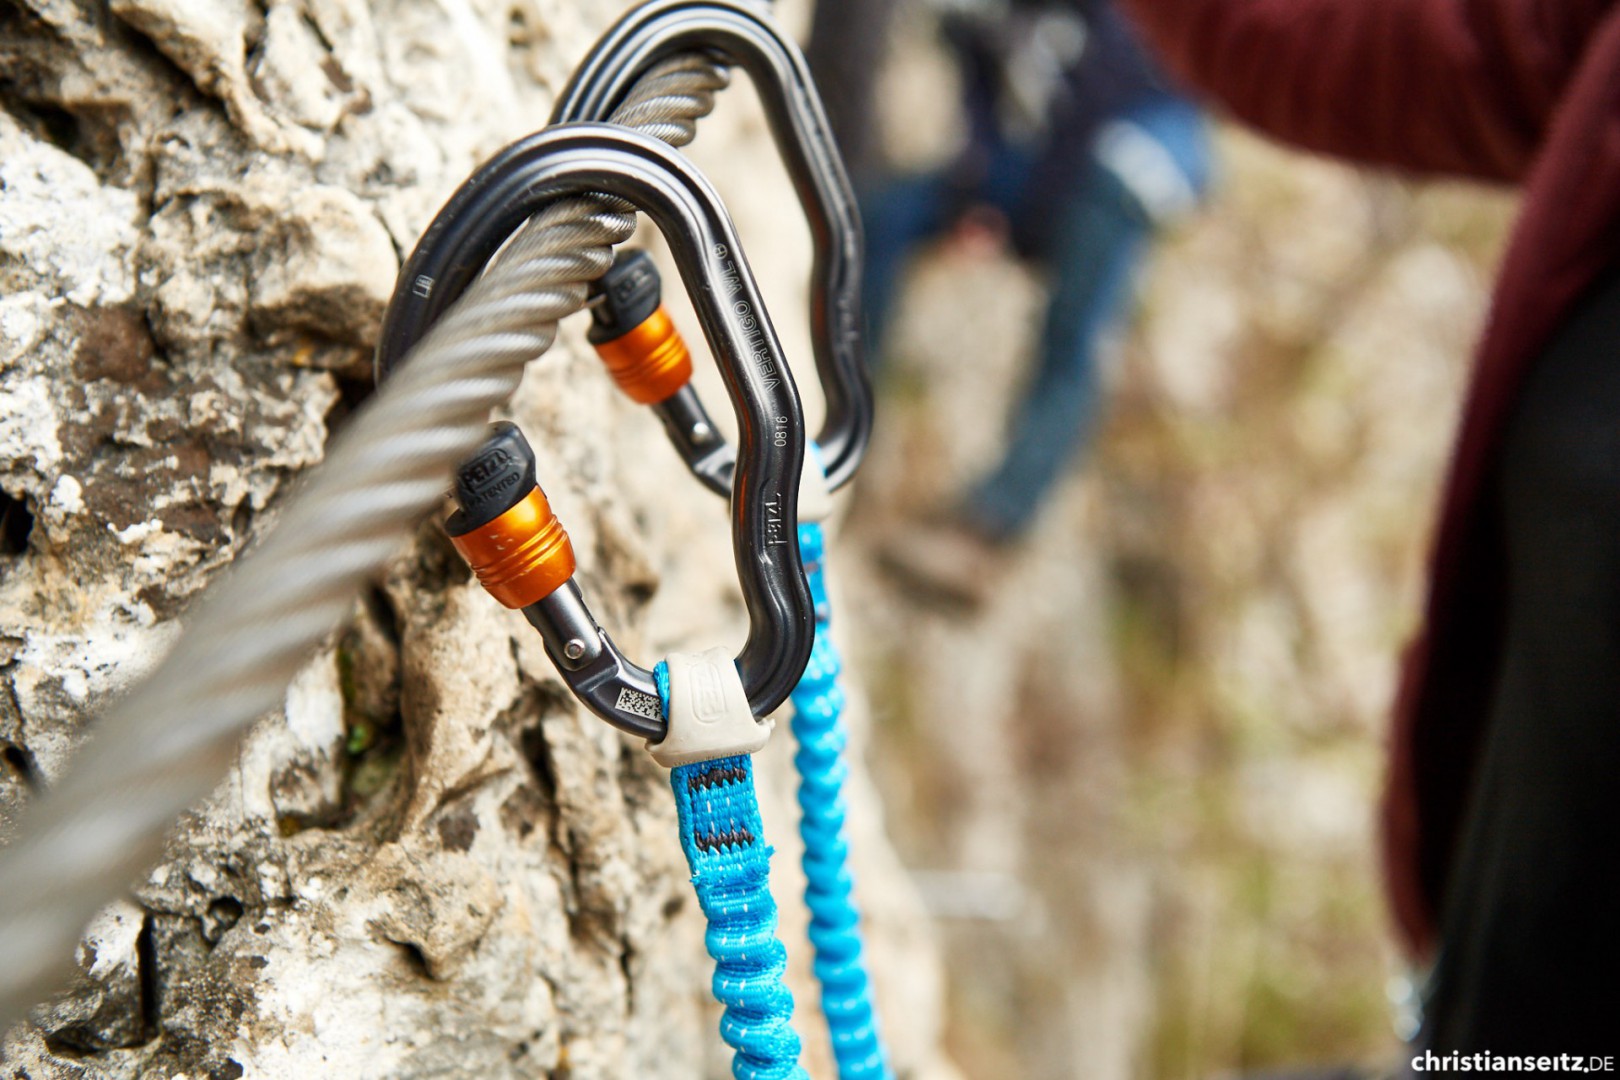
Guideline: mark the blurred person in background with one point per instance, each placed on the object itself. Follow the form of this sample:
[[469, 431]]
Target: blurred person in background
[[1502, 821], [1078, 150], [846, 48]]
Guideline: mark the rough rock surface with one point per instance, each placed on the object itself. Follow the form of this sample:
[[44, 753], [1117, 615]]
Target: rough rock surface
[[430, 864]]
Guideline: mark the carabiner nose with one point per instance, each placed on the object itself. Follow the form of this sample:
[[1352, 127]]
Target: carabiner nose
[[586, 159], [747, 38]]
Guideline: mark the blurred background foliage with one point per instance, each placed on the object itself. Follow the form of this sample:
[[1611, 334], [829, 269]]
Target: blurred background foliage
[[1139, 787]]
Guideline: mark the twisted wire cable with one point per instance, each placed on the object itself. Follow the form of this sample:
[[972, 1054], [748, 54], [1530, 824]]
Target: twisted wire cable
[[835, 921], [165, 745]]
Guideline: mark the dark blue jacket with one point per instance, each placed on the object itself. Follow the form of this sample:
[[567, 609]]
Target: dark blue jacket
[[1112, 75]]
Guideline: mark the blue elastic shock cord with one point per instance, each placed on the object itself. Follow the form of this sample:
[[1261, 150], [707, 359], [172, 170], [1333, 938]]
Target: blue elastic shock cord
[[818, 706], [730, 861]]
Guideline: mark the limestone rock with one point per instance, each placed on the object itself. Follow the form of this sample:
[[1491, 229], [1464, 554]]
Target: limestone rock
[[429, 863]]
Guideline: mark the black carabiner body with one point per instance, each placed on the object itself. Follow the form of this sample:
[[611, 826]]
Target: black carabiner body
[[584, 159], [745, 37]]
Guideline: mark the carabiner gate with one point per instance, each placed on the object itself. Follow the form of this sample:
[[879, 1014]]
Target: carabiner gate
[[505, 525], [747, 38]]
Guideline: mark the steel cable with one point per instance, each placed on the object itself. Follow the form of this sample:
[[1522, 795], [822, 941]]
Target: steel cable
[[164, 745]]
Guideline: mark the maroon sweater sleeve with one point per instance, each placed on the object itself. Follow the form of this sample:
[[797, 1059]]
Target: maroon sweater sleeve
[[1453, 86]]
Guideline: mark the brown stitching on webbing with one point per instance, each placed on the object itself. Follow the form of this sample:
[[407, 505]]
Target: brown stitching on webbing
[[735, 838], [719, 774]]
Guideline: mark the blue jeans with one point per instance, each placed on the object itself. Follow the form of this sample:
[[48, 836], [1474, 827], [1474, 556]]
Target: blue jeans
[[1143, 166]]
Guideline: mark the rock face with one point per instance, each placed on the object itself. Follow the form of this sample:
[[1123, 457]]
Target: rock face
[[430, 864]]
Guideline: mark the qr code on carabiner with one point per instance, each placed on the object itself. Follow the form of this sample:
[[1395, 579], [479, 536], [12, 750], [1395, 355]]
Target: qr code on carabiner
[[634, 701]]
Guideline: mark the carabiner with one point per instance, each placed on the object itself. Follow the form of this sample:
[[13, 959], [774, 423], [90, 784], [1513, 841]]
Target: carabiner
[[505, 524], [745, 37], [638, 342]]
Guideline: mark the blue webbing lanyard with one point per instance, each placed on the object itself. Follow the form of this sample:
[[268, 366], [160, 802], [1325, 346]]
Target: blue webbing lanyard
[[723, 838], [725, 848]]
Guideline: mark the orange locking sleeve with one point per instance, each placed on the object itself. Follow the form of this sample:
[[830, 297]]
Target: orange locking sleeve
[[650, 362], [522, 556]]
